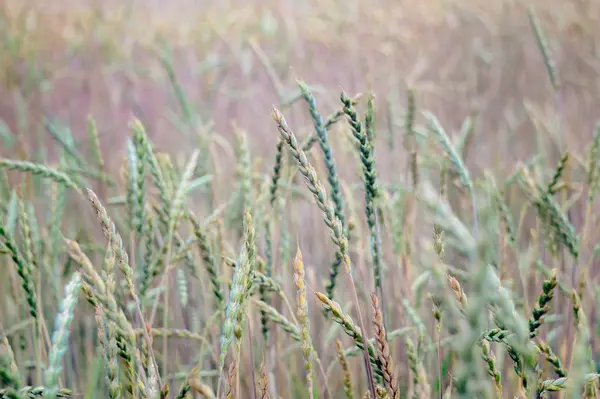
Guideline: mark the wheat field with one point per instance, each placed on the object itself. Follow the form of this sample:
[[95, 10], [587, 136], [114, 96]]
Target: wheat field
[[318, 200]]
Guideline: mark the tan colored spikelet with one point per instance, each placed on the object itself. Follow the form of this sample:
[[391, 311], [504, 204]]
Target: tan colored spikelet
[[344, 363], [303, 319], [200, 388], [383, 349], [460, 294], [231, 376], [263, 388]]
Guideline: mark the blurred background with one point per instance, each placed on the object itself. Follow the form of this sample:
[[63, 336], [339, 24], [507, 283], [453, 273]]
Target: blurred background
[[234, 59]]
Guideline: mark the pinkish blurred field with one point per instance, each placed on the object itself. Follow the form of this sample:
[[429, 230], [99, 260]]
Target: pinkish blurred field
[[461, 57]]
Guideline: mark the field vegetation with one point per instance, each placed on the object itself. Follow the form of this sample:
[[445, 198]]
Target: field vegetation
[[319, 200]]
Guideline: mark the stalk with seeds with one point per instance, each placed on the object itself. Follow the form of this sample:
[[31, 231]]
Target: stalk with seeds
[[414, 367], [543, 47], [237, 293], [332, 119], [273, 189], [97, 294], [392, 335], [29, 392], [60, 337], [263, 386], [209, 260], [552, 358], [176, 212], [109, 336], [144, 146], [552, 215], [277, 318], [23, 269], [562, 164], [543, 305], [580, 363], [344, 363], [383, 350], [457, 162], [121, 258], [334, 224], [250, 245], [131, 180], [231, 376], [367, 157], [593, 177], [350, 329], [39, 170], [302, 310], [332, 176], [490, 360], [562, 383]]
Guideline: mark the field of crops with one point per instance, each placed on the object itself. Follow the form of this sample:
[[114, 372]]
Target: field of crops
[[318, 200]]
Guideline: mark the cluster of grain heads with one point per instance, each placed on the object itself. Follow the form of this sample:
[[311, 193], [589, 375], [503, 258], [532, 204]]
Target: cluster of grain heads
[[333, 223], [332, 176], [98, 295], [122, 259], [506, 338], [175, 214]]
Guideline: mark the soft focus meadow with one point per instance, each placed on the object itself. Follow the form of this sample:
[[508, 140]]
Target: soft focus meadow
[[335, 199]]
